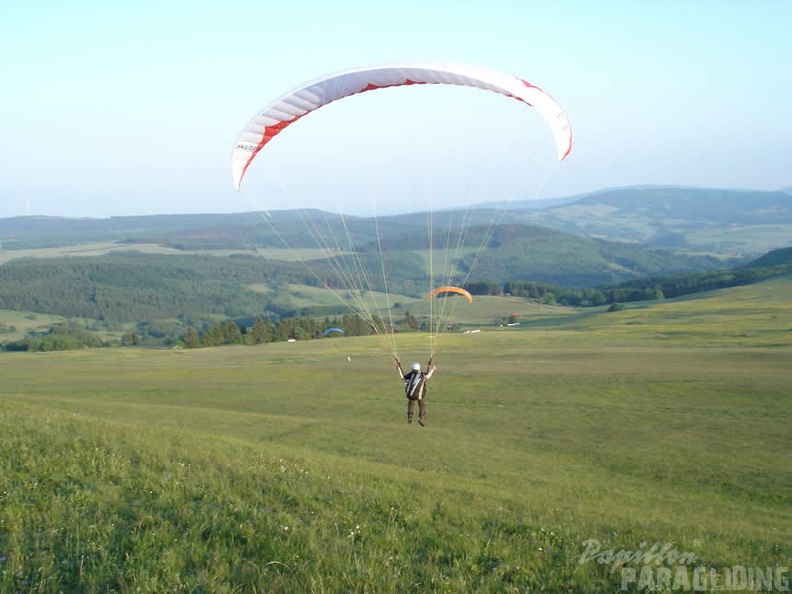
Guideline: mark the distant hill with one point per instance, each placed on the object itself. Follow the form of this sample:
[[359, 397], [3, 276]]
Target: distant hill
[[721, 221], [520, 252], [706, 206], [209, 230], [540, 204], [728, 222], [781, 257]]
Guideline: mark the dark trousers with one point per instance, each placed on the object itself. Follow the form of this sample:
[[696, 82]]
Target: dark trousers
[[421, 408]]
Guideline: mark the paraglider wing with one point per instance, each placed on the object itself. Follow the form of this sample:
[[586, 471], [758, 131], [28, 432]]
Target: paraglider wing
[[308, 97], [329, 330], [450, 290]]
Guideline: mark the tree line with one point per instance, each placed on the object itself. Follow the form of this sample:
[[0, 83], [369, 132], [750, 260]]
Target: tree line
[[644, 288], [73, 335]]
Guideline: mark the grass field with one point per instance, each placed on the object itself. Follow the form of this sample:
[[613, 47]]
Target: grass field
[[307, 296], [103, 248], [85, 250], [16, 325], [288, 468]]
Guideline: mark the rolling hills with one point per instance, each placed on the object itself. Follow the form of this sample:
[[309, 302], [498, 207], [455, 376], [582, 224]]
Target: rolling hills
[[712, 220], [126, 286], [175, 271]]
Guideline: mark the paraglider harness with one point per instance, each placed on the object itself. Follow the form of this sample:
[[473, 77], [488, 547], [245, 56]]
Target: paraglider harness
[[414, 384]]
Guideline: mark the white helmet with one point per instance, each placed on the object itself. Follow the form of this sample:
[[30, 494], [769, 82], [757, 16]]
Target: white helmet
[[416, 366]]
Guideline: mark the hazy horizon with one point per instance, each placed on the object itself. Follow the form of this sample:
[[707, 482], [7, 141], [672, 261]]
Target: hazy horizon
[[483, 205]]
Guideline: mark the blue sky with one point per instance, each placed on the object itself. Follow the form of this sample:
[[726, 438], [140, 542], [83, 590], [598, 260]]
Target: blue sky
[[133, 108]]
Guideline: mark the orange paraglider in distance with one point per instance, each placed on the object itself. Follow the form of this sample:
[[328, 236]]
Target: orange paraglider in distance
[[450, 290]]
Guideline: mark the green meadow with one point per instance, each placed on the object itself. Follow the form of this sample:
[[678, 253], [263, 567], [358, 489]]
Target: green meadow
[[104, 248], [15, 324], [289, 467]]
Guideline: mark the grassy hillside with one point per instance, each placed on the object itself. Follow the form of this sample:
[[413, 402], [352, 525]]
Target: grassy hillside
[[759, 314], [288, 468], [16, 324]]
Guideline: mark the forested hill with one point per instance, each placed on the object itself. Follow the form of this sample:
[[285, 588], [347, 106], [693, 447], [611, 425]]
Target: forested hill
[[130, 287], [782, 257], [521, 252]]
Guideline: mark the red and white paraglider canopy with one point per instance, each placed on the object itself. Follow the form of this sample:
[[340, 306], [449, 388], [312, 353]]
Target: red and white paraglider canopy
[[312, 95]]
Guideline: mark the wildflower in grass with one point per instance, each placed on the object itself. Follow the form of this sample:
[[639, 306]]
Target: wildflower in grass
[[354, 533]]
